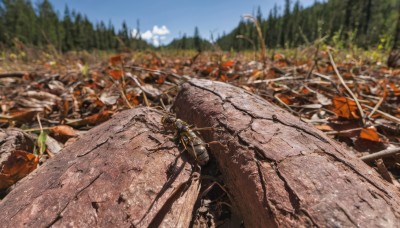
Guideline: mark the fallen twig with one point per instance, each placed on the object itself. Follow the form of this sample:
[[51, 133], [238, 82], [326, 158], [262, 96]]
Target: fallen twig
[[13, 75], [380, 154], [134, 78], [275, 80], [376, 107], [384, 114], [362, 115]]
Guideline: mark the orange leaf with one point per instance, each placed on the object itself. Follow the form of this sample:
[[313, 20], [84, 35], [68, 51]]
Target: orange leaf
[[115, 60], [64, 130], [370, 134], [281, 63], [224, 78], [93, 119], [329, 68], [394, 88], [19, 164], [305, 91], [285, 99], [278, 56], [226, 65], [99, 117], [161, 79], [210, 69], [116, 74], [345, 107]]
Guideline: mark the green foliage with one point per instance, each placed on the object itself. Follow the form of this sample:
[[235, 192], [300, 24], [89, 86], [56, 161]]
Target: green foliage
[[197, 39], [346, 23], [190, 43], [41, 143], [43, 27]]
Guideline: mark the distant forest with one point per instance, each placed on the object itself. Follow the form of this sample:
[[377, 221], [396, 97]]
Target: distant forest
[[343, 23], [41, 26]]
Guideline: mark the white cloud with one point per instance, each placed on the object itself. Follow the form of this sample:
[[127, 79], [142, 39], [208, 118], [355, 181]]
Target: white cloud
[[134, 33], [155, 36], [163, 30], [147, 35], [156, 41]]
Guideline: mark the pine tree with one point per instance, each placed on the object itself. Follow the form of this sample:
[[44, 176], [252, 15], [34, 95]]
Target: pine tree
[[197, 39], [48, 23], [68, 40], [18, 21], [124, 34]]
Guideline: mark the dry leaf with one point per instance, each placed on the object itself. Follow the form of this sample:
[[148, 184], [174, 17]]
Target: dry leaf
[[93, 119], [324, 127], [345, 107], [226, 65], [370, 134], [116, 74], [110, 96], [115, 60], [285, 99], [64, 130], [19, 164]]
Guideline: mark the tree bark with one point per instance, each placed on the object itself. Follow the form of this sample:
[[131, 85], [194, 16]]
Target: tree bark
[[281, 171], [278, 171], [114, 176]]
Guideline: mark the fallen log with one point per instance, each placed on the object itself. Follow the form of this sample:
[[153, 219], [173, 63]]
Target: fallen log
[[123, 173], [282, 172]]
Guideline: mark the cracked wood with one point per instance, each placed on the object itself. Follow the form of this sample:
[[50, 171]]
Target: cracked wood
[[281, 171], [111, 177]]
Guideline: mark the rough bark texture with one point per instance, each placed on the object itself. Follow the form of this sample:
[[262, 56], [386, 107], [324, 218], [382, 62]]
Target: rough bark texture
[[108, 178], [281, 171]]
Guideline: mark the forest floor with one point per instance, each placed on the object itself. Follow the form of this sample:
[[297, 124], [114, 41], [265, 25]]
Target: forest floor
[[51, 99]]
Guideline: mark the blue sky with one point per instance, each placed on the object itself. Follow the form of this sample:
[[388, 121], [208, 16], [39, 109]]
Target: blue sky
[[163, 20]]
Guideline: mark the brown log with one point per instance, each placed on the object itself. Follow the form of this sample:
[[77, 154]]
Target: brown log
[[282, 172], [111, 177]]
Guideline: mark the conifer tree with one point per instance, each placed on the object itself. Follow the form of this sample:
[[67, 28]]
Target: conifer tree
[[197, 39]]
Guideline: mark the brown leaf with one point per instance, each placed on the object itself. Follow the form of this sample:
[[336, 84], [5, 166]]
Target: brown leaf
[[20, 115], [115, 60], [110, 96], [224, 78], [394, 89], [64, 130], [93, 119], [226, 65], [370, 134], [286, 99], [345, 107], [116, 74], [19, 164]]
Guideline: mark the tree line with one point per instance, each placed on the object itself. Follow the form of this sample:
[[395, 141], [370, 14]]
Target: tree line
[[42, 26], [343, 23]]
